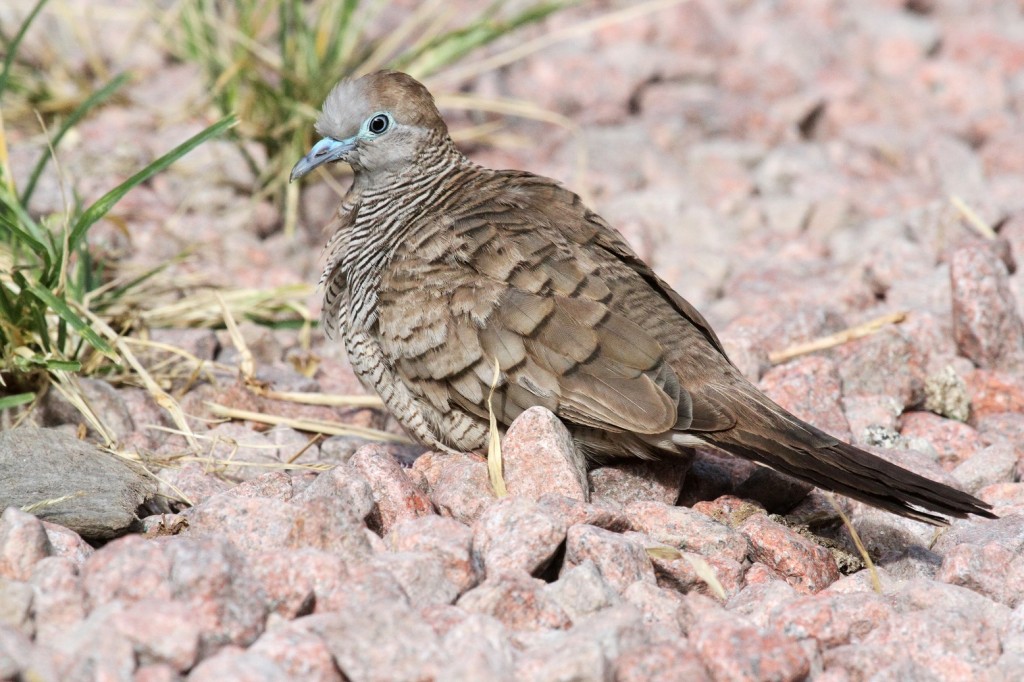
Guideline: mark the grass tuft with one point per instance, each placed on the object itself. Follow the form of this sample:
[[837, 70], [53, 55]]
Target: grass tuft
[[273, 61], [50, 286]]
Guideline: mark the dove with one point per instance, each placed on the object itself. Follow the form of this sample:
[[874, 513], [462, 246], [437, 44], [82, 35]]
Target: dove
[[440, 272]]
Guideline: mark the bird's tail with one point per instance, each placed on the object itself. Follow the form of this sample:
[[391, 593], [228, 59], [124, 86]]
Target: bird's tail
[[789, 445]]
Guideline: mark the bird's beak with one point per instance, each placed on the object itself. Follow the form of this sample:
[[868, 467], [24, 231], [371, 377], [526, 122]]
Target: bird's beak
[[324, 151]]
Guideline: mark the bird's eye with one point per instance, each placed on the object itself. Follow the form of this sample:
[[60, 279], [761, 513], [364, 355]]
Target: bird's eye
[[378, 124]]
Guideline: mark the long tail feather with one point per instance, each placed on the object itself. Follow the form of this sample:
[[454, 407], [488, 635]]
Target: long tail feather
[[798, 449]]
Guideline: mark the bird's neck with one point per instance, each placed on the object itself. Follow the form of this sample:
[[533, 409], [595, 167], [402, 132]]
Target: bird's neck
[[390, 208], [436, 157]]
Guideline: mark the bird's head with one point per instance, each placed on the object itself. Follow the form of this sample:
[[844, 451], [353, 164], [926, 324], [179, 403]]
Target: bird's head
[[375, 123]]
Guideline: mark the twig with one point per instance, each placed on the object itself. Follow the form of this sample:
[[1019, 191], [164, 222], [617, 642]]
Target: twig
[[312, 441], [972, 218], [370, 401], [307, 424], [837, 339]]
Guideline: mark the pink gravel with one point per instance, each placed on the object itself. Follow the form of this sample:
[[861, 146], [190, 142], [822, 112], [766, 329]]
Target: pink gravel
[[789, 167]]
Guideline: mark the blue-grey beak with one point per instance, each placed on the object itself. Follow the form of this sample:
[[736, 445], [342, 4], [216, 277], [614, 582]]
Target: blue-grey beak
[[324, 151]]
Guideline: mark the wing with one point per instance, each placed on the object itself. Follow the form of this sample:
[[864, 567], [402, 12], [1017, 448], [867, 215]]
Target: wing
[[571, 355], [507, 278]]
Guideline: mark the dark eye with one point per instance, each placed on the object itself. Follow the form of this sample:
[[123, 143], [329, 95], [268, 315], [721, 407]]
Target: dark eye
[[378, 124]]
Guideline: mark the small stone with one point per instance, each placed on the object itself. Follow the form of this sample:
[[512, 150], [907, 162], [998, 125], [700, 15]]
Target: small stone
[[208, 575], [809, 387], [660, 608], [271, 485], [995, 392], [233, 663], [478, 648], [192, 481], [728, 509], [421, 576], [518, 600], [427, 469], [628, 482], [621, 561], [884, 363], [833, 620], [992, 570], [608, 516], [462, 490], [16, 605], [874, 412], [67, 543], [582, 591], [665, 662], [736, 651], [447, 539], [516, 533], [559, 656], [59, 602], [945, 394], [806, 566], [258, 525], [299, 582], [343, 483], [539, 456], [759, 598], [160, 631], [366, 586], [23, 543], [687, 529], [685, 573], [954, 441], [301, 654], [994, 464], [396, 496], [986, 325]]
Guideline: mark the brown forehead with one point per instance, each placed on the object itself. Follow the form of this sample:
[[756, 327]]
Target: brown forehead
[[400, 94]]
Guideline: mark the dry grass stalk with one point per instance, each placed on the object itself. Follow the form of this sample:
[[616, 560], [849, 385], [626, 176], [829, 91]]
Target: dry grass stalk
[[307, 424], [837, 339], [972, 218], [161, 397], [324, 399], [247, 366], [876, 584], [67, 385], [701, 567], [494, 465], [41, 504]]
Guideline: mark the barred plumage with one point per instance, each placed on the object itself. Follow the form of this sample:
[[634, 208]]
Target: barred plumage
[[439, 268]]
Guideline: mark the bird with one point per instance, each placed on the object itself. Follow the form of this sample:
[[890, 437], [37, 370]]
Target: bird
[[447, 280]]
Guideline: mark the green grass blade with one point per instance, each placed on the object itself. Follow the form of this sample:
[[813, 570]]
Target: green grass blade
[[9, 401], [108, 200], [65, 312], [97, 98], [62, 365], [20, 229], [12, 47]]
